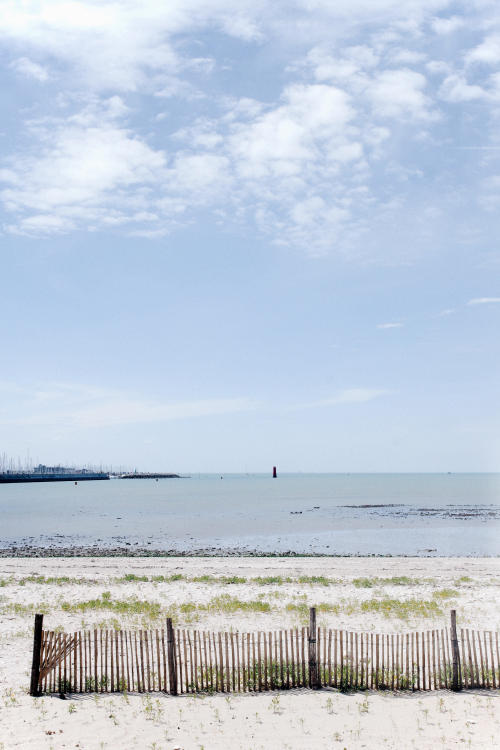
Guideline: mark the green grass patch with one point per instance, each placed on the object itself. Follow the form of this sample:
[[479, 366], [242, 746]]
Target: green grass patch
[[301, 609], [403, 609], [133, 578], [315, 580], [445, 594], [131, 606], [271, 580], [369, 583], [22, 610], [229, 604], [365, 583], [52, 580], [225, 580]]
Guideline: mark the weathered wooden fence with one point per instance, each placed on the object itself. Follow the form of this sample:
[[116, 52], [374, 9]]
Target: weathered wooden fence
[[189, 661]]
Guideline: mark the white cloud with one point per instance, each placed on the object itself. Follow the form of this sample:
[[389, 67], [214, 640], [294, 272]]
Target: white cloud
[[406, 57], [315, 166], [448, 311], [350, 396], [129, 411], [134, 45], [492, 182], [79, 406], [456, 89], [438, 67], [89, 170], [389, 325], [279, 141], [393, 92], [358, 395], [88, 167], [487, 53], [447, 25], [399, 93], [484, 301], [31, 69], [195, 173]]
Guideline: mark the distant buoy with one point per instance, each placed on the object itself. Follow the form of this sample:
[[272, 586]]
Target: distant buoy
[[274, 472]]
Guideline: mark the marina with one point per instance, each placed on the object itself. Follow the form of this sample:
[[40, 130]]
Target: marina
[[42, 473]]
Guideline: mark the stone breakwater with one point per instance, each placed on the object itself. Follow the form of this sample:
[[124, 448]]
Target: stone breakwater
[[95, 551], [28, 551]]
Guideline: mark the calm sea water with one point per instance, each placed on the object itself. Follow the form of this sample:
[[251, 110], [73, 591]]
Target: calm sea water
[[412, 514]]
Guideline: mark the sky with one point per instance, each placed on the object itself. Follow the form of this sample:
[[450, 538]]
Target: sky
[[241, 234]]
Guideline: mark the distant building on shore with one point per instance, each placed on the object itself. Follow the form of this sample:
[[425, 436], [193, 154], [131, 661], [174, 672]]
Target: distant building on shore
[[42, 473]]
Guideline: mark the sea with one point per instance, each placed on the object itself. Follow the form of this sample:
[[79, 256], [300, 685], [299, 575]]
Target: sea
[[326, 514]]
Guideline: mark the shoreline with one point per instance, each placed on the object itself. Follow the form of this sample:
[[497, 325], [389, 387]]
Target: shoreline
[[28, 551]]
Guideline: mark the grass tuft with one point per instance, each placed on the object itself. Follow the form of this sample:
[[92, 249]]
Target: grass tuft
[[321, 580], [369, 583], [229, 604], [403, 609], [131, 606], [445, 594], [271, 580]]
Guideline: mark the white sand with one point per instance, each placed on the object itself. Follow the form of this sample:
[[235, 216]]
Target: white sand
[[295, 719]]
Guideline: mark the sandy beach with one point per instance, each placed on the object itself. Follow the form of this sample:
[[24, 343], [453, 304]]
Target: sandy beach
[[368, 594]]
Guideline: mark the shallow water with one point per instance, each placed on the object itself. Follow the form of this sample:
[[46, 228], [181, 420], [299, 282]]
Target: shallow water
[[392, 514]]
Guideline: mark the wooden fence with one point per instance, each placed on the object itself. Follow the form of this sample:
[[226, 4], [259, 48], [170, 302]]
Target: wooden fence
[[191, 661]]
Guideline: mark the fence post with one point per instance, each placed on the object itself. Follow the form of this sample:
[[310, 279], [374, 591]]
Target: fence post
[[37, 649], [314, 681], [172, 661], [457, 675]]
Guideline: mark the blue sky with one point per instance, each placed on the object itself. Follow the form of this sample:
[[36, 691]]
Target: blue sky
[[238, 234]]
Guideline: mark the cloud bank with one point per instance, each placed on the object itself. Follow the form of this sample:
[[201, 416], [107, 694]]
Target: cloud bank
[[154, 117]]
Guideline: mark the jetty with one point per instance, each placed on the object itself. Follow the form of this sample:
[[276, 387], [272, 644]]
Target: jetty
[[148, 475]]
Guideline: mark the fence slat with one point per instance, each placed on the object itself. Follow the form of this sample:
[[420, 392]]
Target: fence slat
[[254, 672], [221, 665], [447, 656], [438, 659], [238, 669], [498, 658], [266, 683], [216, 663], [487, 668], [493, 677], [245, 661], [228, 669], [335, 663], [129, 651], [112, 655], [476, 660], [209, 663], [59, 642], [190, 689], [243, 665], [483, 681], [195, 665]]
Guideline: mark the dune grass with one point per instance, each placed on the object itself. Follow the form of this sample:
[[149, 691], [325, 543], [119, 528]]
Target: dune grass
[[369, 583]]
